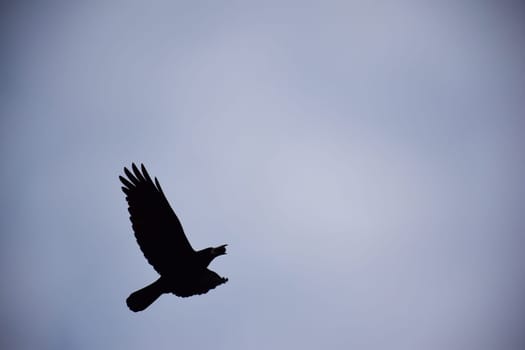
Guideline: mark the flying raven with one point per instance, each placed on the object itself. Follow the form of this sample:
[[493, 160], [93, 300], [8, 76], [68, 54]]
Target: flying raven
[[183, 271]]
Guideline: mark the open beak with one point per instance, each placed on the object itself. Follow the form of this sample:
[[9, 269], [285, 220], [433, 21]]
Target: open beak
[[221, 250]]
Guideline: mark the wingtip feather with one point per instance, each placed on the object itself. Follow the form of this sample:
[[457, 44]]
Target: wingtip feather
[[137, 173], [158, 185], [131, 177], [126, 183], [145, 173]]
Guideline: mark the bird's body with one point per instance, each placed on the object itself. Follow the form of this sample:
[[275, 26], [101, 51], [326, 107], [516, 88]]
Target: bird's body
[[183, 271]]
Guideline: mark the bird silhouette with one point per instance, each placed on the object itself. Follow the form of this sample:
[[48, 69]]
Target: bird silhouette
[[159, 233]]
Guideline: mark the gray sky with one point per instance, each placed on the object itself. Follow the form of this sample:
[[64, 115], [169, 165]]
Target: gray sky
[[363, 162]]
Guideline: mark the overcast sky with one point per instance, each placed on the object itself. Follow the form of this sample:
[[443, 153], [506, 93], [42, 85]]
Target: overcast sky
[[365, 164]]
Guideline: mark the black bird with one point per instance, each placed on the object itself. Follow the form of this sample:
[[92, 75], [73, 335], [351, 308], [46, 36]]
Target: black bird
[[183, 271]]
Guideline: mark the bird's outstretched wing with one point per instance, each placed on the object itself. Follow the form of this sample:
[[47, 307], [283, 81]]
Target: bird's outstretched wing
[[199, 283], [158, 231]]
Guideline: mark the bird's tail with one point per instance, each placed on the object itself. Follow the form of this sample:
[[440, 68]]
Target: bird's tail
[[142, 298]]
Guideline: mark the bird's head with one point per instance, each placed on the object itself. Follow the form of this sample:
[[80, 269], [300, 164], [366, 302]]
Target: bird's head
[[220, 250], [205, 256]]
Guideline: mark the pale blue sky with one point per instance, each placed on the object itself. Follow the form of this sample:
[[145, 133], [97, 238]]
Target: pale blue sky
[[363, 162]]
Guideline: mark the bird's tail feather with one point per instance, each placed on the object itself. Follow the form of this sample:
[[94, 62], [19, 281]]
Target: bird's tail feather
[[142, 298]]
